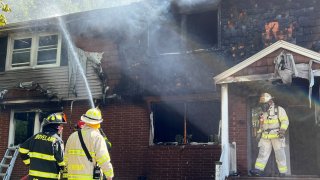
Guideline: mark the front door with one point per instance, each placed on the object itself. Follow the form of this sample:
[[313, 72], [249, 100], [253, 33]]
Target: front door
[[303, 135], [253, 149]]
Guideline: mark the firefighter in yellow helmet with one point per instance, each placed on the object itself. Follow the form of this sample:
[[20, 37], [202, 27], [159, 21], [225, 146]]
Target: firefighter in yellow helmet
[[273, 124], [80, 124], [43, 152], [79, 164]]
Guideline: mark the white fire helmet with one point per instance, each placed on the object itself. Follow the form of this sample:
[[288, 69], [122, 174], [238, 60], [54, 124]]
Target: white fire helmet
[[92, 116], [265, 97]]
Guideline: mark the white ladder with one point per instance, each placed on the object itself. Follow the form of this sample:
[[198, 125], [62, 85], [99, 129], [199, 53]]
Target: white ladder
[[8, 161]]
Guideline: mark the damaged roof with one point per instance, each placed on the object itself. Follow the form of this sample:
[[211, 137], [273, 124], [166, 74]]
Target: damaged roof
[[219, 79]]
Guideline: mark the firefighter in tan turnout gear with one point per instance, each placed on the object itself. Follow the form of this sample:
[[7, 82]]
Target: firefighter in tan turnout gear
[[43, 152], [82, 165], [273, 124]]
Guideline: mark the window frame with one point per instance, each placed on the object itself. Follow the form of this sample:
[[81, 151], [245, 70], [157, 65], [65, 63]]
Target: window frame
[[12, 127], [165, 100], [33, 50]]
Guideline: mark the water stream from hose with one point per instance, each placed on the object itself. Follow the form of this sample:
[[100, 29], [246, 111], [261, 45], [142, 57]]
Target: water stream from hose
[[75, 58]]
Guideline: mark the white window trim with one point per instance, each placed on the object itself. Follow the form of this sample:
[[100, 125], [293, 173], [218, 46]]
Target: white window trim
[[34, 50], [12, 130]]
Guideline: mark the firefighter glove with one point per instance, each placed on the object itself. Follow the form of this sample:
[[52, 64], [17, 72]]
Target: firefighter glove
[[282, 133], [258, 137]]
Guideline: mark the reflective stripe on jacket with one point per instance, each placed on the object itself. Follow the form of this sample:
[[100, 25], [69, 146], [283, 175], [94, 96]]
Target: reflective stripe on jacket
[[276, 118], [44, 153], [77, 162]]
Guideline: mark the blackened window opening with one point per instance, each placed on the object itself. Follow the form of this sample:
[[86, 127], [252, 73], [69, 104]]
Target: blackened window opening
[[179, 33], [168, 120], [202, 122], [202, 29], [24, 122]]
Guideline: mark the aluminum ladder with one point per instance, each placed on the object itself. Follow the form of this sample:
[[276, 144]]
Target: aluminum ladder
[[8, 161]]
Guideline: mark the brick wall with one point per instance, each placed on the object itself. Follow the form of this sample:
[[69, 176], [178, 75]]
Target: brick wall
[[4, 132], [249, 26], [182, 162], [238, 128]]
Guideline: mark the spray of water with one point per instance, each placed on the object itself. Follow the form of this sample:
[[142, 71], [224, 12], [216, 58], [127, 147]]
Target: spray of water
[[66, 35]]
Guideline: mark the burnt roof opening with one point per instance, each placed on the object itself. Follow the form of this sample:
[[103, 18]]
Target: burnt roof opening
[[184, 32], [202, 27]]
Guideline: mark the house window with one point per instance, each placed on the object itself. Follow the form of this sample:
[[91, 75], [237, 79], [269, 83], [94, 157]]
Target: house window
[[40, 50], [24, 124], [186, 122], [181, 33], [21, 52], [202, 29], [47, 51]]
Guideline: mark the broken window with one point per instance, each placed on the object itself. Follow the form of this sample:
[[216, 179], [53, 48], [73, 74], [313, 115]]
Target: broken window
[[186, 122], [24, 126], [36, 50], [202, 29], [179, 33]]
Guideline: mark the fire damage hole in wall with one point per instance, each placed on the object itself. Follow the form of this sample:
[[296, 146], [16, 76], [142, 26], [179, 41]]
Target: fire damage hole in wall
[[182, 32], [202, 27], [186, 122]]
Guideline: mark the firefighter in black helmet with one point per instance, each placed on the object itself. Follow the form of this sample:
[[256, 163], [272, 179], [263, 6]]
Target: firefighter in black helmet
[[43, 152]]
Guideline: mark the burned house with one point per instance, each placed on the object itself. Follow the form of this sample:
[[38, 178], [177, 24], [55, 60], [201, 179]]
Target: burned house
[[177, 82]]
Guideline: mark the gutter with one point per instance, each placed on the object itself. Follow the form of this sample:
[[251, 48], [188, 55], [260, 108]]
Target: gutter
[[27, 101]]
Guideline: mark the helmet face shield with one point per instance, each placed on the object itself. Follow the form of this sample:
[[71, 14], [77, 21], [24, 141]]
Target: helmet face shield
[[265, 97], [265, 106], [264, 101]]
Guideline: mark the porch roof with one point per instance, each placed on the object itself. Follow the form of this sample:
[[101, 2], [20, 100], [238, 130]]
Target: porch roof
[[219, 79]]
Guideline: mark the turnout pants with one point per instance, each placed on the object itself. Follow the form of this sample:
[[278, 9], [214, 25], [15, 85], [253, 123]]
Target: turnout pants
[[265, 148]]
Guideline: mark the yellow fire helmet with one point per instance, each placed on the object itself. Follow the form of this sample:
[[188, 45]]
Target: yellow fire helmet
[[92, 116], [265, 97]]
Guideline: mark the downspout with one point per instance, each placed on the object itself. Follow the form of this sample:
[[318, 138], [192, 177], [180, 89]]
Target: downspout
[[70, 119], [225, 159]]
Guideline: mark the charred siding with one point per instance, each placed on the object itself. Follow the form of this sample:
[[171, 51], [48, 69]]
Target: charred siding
[[94, 84]]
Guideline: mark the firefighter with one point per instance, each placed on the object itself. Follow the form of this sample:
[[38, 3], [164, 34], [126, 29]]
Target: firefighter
[[78, 164], [80, 124], [43, 152], [273, 126]]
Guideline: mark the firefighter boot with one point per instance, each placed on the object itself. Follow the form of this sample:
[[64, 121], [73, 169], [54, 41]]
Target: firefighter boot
[[256, 172], [282, 175]]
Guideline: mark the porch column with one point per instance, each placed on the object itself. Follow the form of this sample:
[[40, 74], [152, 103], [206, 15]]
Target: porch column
[[225, 130]]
